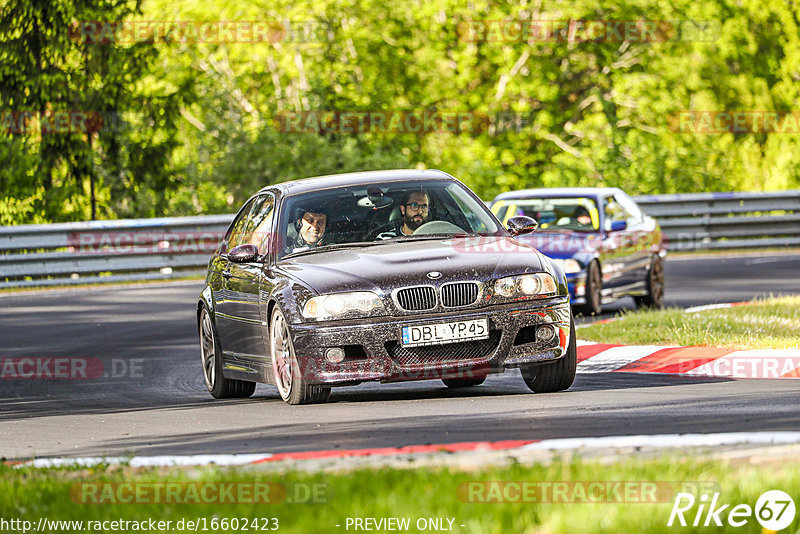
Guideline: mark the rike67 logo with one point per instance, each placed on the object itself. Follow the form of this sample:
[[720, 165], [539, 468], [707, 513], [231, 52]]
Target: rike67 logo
[[774, 511]]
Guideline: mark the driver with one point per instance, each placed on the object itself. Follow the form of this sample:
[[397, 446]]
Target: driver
[[582, 217], [310, 231], [414, 211]]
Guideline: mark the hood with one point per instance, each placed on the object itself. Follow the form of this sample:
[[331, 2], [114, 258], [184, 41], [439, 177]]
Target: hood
[[391, 264], [562, 243]]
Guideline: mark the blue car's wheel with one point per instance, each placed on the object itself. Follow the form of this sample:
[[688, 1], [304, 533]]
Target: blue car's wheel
[[655, 286], [594, 291]]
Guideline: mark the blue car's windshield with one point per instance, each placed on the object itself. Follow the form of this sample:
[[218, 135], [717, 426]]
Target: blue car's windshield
[[568, 213]]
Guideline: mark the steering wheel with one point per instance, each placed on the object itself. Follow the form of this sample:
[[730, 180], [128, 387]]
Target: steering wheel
[[438, 227]]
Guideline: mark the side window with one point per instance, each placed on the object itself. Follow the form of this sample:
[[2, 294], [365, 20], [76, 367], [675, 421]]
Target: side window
[[634, 214], [259, 226], [613, 210], [233, 237]]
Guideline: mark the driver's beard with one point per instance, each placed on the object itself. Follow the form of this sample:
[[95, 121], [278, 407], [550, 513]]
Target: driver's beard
[[412, 224]]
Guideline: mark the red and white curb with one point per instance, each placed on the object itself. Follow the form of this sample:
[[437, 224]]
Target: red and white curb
[[692, 361], [511, 446], [249, 459]]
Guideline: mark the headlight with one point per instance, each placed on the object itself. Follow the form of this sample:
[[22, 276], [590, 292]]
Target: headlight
[[569, 265], [359, 304], [526, 286]]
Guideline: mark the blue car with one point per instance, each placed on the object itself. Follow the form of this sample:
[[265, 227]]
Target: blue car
[[604, 242]]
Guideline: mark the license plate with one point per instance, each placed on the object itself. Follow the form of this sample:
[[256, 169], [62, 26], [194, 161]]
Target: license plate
[[435, 334]]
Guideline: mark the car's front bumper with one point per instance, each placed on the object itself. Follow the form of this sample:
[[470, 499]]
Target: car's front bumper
[[374, 351]]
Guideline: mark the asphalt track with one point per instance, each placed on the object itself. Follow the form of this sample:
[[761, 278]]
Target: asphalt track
[[157, 403]]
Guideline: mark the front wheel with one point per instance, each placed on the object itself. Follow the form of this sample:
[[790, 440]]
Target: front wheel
[[293, 388], [654, 285], [211, 357], [556, 376]]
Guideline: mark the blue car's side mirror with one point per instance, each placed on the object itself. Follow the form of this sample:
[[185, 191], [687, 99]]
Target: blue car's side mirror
[[617, 226]]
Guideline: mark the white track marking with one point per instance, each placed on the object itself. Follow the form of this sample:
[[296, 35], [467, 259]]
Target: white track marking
[[666, 440], [616, 357]]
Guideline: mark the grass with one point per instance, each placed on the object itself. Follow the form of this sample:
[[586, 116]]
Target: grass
[[417, 493], [766, 323]]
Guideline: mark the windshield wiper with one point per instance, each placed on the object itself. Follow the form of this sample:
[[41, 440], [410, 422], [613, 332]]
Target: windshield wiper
[[335, 246]]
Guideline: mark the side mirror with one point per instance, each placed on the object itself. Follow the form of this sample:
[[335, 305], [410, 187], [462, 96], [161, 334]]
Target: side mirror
[[521, 224], [243, 254], [617, 226]]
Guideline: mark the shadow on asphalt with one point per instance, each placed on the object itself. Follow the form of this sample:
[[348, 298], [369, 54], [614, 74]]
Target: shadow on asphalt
[[123, 398]]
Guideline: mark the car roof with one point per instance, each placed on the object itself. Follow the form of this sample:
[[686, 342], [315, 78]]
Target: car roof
[[318, 183], [551, 192]]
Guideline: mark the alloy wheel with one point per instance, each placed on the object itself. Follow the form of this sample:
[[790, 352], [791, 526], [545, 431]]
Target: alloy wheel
[[208, 350], [281, 349]]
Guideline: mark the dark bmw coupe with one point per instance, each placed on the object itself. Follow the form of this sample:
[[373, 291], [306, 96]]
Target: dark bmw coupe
[[379, 276]]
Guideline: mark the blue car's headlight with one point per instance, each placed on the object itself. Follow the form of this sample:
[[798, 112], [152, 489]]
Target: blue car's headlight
[[339, 305], [536, 285], [569, 266]]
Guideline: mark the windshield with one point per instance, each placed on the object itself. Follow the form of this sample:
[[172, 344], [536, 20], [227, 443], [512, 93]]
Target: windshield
[[382, 212], [568, 213]]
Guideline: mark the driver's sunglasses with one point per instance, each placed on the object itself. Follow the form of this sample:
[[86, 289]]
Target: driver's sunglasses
[[416, 206]]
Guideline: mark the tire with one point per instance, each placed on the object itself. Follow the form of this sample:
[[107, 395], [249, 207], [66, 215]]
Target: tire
[[556, 376], [463, 382], [293, 388], [594, 291], [655, 286], [211, 360]]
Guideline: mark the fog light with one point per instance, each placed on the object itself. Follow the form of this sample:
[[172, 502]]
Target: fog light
[[335, 355], [545, 333]]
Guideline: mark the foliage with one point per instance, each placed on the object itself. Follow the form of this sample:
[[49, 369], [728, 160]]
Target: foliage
[[204, 117]]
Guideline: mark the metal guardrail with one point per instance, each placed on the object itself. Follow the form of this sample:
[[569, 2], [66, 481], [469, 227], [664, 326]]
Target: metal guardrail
[[101, 251], [145, 249], [722, 221]]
